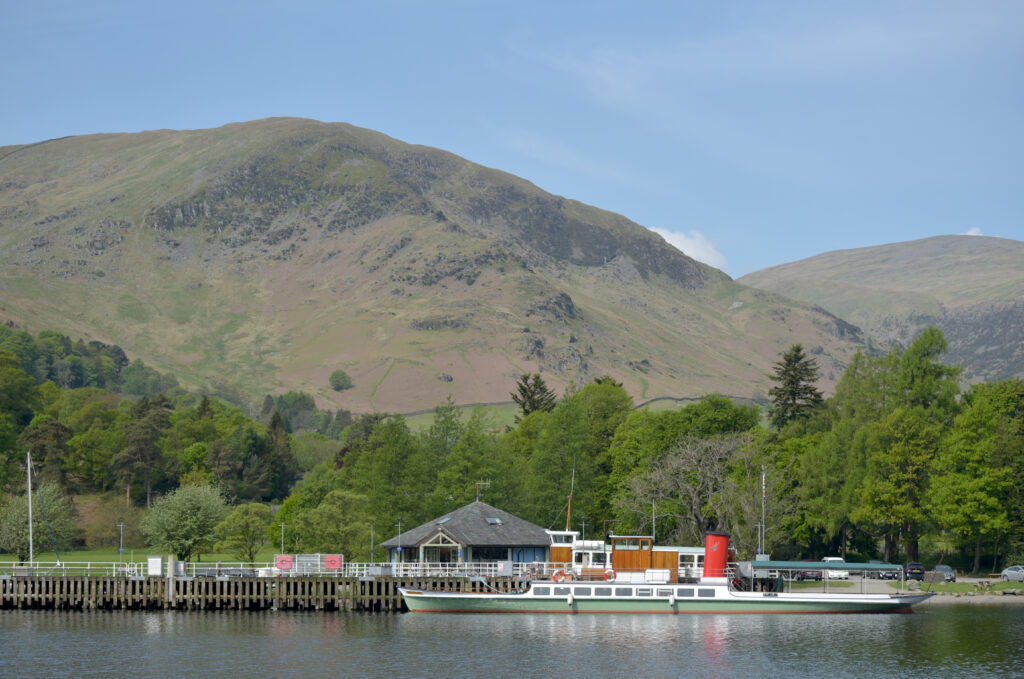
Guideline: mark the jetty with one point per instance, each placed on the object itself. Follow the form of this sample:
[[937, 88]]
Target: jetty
[[378, 594]]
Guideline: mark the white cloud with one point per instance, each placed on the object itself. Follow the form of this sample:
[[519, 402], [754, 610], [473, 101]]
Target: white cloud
[[973, 231], [694, 244]]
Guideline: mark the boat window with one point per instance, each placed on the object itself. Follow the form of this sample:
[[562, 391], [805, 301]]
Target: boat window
[[598, 559], [684, 591], [602, 591], [644, 591], [664, 592], [562, 591], [578, 557], [623, 591], [543, 591], [582, 591], [706, 593]]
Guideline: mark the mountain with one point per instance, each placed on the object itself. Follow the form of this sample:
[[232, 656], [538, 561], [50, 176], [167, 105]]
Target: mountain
[[970, 287], [259, 257]]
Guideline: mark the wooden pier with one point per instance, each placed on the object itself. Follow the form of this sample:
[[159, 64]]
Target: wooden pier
[[368, 594]]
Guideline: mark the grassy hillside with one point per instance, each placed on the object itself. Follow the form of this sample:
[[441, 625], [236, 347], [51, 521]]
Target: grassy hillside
[[971, 287], [262, 256]]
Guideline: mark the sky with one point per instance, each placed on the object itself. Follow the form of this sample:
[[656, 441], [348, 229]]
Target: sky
[[748, 134]]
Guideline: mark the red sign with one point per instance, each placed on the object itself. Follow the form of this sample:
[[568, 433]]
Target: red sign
[[332, 562], [283, 562]]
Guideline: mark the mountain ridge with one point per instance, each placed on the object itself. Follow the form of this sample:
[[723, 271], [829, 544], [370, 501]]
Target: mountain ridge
[[261, 256], [970, 287]]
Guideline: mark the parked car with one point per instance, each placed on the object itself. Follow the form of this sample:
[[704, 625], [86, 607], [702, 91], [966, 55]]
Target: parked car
[[893, 574], [808, 575], [834, 574], [1015, 573], [947, 572], [913, 571]]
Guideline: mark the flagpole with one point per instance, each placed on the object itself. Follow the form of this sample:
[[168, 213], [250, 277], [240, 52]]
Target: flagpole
[[31, 554]]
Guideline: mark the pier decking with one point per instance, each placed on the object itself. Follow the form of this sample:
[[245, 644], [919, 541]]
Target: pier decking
[[314, 593]]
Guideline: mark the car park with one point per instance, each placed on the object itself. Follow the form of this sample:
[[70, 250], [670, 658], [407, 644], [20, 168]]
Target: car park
[[1012, 574], [913, 571], [947, 572]]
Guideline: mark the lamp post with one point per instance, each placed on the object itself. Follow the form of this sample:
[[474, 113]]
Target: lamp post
[[120, 542], [282, 537], [398, 557], [371, 540]]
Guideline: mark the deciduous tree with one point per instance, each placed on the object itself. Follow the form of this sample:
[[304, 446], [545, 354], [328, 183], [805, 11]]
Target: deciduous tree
[[244, 530], [52, 522], [184, 521]]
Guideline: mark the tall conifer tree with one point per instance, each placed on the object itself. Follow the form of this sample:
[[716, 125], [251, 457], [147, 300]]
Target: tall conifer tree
[[794, 395]]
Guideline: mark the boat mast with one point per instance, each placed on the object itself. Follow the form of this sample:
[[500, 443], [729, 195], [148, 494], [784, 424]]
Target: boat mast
[[28, 464], [764, 528], [572, 484]]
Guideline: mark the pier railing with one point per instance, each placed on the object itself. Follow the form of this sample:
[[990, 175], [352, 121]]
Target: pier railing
[[536, 570]]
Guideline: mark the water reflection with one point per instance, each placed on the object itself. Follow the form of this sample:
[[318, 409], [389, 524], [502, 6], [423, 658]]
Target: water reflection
[[948, 641]]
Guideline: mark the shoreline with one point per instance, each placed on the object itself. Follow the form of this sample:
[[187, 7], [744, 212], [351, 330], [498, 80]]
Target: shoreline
[[945, 598]]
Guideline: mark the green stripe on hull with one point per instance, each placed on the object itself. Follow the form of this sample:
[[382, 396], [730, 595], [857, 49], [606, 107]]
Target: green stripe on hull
[[515, 604]]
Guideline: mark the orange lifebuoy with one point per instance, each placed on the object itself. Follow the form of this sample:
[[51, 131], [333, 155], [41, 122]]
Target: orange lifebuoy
[[559, 576], [609, 575]]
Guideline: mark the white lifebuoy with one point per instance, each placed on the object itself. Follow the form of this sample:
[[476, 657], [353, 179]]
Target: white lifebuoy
[[609, 575], [559, 576]]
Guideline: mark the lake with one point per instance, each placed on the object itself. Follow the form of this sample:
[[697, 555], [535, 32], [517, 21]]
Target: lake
[[954, 640]]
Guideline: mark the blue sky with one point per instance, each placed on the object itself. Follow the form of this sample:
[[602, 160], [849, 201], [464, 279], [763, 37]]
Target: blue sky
[[749, 134]]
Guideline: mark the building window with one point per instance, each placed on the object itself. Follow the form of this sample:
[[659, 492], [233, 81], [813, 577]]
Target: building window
[[490, 553]]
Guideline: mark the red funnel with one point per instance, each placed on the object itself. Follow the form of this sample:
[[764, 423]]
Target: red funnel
[[716, 554]]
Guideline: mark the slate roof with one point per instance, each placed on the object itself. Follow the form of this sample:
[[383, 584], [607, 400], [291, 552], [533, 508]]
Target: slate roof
[[469, 526]]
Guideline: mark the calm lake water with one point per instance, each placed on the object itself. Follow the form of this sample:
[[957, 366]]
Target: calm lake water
[[942, 641]]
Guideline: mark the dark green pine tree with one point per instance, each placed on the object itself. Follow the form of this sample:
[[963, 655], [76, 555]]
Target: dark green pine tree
[[532, 394], [794, 395]]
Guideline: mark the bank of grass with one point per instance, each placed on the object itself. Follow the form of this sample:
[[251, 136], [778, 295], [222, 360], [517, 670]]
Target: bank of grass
[[977, 587], [500, 416], [137, 555]]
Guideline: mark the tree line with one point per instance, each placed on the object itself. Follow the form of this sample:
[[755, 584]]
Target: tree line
[[900, 463]]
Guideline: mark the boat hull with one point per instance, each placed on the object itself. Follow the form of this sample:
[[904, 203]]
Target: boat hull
[[425, 601]]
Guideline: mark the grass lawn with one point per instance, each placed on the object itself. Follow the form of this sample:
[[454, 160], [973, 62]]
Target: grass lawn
[[265, 555]]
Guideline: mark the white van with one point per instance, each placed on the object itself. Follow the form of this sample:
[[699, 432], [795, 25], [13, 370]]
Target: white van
[[832, 574]]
